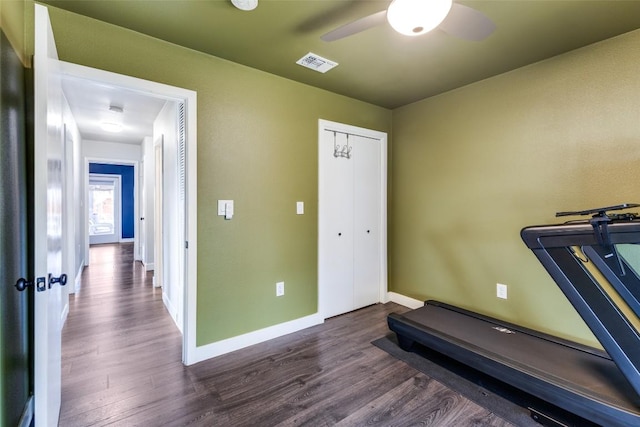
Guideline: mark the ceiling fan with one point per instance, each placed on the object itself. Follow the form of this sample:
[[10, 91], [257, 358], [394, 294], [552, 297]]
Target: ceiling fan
[[416, 17]]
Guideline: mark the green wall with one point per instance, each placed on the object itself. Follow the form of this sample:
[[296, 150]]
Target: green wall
[[16, 19], [473, 166], [257, 145]]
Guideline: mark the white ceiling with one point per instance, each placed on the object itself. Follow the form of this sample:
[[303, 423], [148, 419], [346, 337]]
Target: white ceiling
[[89, 102]]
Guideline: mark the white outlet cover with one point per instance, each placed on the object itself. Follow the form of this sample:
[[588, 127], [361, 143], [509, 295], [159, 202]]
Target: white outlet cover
[[300, 208], [279, 289], [501, 291]]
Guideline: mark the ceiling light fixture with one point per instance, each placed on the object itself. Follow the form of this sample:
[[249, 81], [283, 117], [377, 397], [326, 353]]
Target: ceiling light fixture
[[415, 17], [245, 4], [114, 123], [111, 127]]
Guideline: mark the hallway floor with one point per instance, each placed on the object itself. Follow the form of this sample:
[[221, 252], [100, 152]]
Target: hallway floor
[[122, 367]]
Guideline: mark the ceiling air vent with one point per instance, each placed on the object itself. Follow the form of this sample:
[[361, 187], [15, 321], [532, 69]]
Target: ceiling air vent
[[316, 62]]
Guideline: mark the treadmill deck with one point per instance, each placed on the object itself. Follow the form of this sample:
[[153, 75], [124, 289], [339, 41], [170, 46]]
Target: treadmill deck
[[579, 379]]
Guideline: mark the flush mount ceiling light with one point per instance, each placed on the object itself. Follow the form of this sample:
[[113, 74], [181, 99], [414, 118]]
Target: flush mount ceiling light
[[111, 127], [245, 4], [415, 17], [114, 122]]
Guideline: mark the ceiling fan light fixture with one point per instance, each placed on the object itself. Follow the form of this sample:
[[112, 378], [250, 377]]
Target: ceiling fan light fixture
[[415, 17], [245, 4]]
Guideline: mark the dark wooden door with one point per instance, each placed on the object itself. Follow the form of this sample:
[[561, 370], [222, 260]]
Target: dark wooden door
[[15, 307]]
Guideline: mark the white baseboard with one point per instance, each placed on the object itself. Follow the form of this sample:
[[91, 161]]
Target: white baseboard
[[167, 303], [173, 312], [148, 266], [77, 282], [241, 341], [65, 313], [404, 300], [127, 240]]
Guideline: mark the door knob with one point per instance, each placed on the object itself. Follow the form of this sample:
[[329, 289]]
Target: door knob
[[23, 284], [62, 279]]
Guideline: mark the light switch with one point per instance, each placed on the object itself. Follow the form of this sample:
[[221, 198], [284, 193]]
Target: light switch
[[223, 206], [228, 210], [299, 208]]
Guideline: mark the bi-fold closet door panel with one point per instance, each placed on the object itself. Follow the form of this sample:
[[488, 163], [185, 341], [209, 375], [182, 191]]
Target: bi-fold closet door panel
[[338, 209], [350, 224], [366, 221]]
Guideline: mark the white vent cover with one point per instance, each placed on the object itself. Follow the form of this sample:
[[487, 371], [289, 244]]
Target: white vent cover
[[316, 62]]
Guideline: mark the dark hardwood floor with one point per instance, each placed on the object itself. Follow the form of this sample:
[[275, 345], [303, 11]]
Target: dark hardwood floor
[[121, 367]]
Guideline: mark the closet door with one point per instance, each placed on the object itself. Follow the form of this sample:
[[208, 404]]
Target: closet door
[[336, 267], [351, 217], [366, 221]]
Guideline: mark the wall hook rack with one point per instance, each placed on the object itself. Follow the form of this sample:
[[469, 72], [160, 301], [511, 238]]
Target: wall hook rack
[[341, 151]]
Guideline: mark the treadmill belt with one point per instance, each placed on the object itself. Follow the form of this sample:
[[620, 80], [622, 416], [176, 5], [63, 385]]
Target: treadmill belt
[[577, 378]]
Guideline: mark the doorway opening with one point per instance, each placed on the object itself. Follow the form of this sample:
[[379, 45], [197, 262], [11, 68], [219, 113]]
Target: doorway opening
[[104, 197], [177, 186]]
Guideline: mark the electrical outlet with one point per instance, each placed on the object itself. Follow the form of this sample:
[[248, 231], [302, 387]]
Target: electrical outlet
[[501, 290], [279, 289]]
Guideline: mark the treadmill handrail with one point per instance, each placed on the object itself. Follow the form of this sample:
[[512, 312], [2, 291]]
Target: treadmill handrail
[[553, 246], [578, 234]]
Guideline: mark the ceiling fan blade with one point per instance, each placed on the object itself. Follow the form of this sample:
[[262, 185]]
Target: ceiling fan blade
[[467, 23], [356, 26]]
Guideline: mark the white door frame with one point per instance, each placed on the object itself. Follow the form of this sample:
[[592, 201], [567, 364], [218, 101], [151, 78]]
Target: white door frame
[[326, 126], [117, 205], [158, 214], [136, 201], [189, 98]]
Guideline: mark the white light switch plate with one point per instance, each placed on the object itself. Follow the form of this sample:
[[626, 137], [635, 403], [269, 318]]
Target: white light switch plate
[[221, 206], [299, 208]]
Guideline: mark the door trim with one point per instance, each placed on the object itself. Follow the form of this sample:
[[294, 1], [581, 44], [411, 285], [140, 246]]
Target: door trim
[[158, 217], [189, 98], [117, 183], [324, 126], [136, 201]]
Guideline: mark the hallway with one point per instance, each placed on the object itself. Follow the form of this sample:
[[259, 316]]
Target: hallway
[[117, 345]]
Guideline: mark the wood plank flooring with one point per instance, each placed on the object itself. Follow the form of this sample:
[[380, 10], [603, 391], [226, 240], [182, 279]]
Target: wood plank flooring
[[121, 367]]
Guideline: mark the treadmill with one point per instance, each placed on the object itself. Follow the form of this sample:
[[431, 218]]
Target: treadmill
[[595, 262]]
